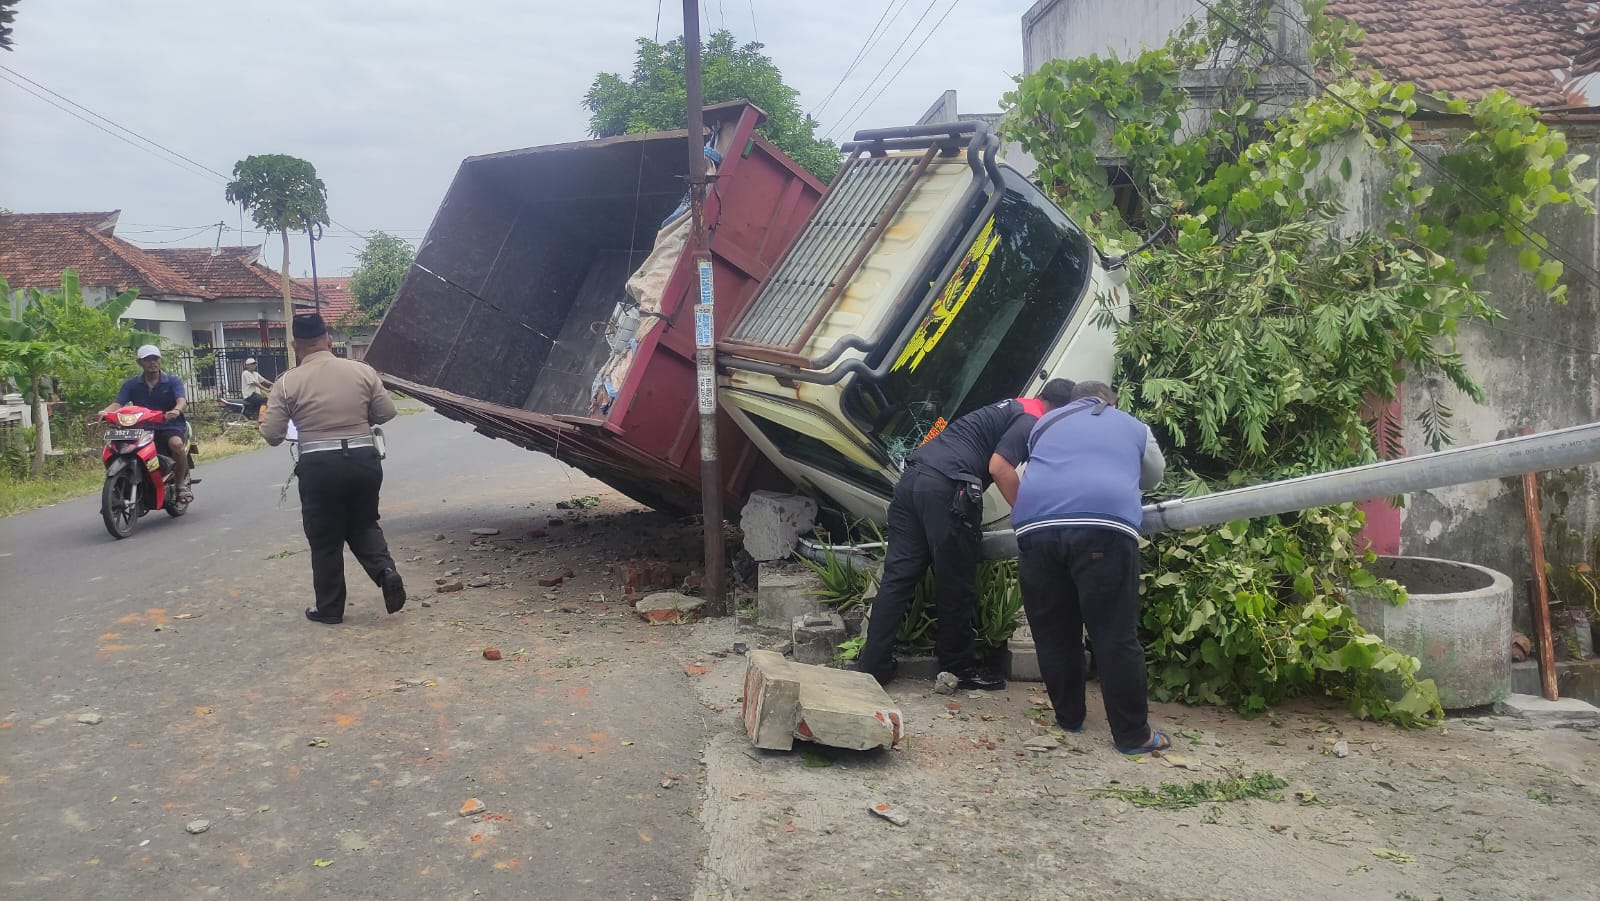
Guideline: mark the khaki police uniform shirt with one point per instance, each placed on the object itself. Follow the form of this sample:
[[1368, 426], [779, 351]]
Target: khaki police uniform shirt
[[327, 397]]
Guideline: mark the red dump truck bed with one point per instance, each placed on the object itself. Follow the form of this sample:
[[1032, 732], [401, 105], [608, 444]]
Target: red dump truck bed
[[517, 316]]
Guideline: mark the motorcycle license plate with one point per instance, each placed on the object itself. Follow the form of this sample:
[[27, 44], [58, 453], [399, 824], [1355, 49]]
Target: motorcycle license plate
[[125, 434]]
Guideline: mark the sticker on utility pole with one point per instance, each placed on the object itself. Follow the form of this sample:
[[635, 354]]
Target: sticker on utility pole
[[705, 282], [708, 396], [702, 325]]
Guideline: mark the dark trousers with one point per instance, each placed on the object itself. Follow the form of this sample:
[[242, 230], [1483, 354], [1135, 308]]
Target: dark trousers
[[1073, 578], [253, 405], [925, 529], [339, 506]]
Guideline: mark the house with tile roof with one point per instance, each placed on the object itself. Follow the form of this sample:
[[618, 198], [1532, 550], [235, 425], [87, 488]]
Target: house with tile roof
[[185, 294], [1537, 369]]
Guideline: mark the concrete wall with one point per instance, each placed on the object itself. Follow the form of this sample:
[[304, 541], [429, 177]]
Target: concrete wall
[[1540, 369], [1067, 29]]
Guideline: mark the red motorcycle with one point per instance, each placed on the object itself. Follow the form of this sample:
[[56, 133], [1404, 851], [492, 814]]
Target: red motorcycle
[[138, 474]]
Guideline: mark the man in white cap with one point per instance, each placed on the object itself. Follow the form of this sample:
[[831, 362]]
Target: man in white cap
[[254, 386], [157, 390]]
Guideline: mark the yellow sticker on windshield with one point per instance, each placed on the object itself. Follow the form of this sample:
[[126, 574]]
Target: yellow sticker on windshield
[[951, 300]]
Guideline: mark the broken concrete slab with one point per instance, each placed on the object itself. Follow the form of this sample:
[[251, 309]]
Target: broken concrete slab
[[1560, 713], [785, 700], [668, 607], [1022, 656], [783, 592], [772, 522], [817, 637]]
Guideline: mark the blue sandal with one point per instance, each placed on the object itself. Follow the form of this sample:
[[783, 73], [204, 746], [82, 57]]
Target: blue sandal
[[1159, 741]]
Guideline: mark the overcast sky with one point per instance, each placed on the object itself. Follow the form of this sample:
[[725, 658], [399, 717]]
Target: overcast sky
[[386, 97]]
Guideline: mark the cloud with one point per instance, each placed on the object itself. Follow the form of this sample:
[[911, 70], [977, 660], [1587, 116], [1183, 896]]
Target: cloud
[[387, 98]]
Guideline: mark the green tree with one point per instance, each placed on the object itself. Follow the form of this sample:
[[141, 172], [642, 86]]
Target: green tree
[[8, 14], [1262, 327], [81, 349], [381, 267], [283, 194], [654, 99]]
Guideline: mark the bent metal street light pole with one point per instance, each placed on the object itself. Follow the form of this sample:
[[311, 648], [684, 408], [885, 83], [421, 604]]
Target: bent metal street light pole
[[1539, 452], [704, 322]]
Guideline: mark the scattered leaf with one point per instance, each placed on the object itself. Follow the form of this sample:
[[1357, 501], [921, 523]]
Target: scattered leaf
[[1392, 854], [319, 862]]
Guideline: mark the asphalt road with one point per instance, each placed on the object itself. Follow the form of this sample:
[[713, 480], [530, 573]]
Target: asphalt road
[[333, 761]]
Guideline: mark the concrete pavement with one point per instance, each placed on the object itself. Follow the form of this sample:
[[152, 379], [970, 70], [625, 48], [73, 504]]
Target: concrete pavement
[[333, 761]]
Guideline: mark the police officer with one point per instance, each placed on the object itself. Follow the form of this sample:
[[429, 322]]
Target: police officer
[[935, 517], [334, 403]]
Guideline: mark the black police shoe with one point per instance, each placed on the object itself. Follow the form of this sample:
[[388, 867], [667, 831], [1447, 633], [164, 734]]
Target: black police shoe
[[976, 679], [394, 591], [314, 616]]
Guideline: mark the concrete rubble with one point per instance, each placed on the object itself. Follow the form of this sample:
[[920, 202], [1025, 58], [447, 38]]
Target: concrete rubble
[[667, 607], [772, 522], [816, 637], [1561, 713], [783, 592], [785, 700]]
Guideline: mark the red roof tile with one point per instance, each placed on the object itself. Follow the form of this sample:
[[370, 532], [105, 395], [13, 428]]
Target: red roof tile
[[36, 247], [229, 272], [337, 301], [1468, 47]]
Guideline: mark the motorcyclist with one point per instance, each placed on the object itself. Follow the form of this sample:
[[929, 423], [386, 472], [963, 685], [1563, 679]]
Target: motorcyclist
[[157, 390], [254, 386]]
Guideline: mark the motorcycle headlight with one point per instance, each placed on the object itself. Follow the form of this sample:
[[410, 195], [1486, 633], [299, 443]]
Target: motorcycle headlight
[[127, 419]]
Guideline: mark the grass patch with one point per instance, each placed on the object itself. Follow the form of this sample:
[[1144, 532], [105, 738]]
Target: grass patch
[[76, 475], [63, 479], [1178, 795]]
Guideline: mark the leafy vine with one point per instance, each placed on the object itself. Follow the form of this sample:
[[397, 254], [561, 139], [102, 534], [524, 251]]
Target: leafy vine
[[1271, 322]]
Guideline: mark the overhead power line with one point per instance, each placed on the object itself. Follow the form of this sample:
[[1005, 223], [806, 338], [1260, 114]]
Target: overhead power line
[[86, 120], [873, 35], [68, 100], [887, 63], [127, 135], [903, 64]]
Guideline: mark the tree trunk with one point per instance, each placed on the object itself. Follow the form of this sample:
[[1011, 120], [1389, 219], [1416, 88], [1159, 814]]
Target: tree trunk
[[288, 303], [42, 410]]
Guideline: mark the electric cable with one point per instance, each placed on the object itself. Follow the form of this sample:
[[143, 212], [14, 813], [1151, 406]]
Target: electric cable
[[886, 63], [94, 124], [125, 128], [903, 65], [873, 36]]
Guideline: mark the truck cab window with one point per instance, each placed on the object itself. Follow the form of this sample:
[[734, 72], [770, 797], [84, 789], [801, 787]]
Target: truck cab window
[[1015, 287]]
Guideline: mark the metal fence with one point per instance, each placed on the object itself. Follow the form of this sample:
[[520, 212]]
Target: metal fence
[[209, 372]]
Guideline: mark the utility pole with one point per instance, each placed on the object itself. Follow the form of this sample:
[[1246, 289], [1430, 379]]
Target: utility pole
[[705, 363], [313, 235]]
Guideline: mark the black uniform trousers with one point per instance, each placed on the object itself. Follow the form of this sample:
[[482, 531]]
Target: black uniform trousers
[[1073, 578], [339, 506], [926, 528]]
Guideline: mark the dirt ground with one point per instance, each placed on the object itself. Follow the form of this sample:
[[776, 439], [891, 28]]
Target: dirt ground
[[583, 743], [1484, 807]]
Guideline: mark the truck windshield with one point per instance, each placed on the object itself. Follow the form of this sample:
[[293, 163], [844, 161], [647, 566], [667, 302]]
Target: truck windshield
[[988, 329]]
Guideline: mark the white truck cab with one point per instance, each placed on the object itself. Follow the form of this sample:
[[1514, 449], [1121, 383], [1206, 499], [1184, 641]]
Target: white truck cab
[[931, 280]]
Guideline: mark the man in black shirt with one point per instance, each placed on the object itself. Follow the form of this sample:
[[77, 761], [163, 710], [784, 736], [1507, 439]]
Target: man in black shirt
[[935, 517]]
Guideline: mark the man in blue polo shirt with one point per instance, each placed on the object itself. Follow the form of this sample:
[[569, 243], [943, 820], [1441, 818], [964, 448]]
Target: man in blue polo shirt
[[157, 390], [1077, 521]]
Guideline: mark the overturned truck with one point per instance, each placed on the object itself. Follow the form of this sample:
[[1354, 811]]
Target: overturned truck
[[550, 305]]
